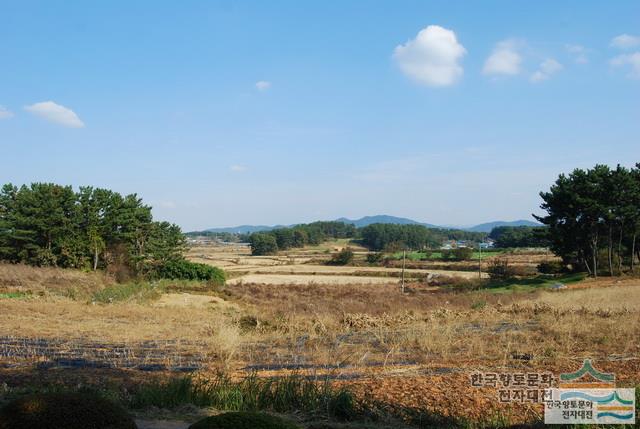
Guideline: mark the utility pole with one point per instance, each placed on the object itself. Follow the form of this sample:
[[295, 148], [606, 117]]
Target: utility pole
[[480, 260], [404, 258]]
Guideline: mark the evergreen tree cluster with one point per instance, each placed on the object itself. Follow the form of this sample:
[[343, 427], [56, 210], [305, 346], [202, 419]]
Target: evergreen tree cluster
[[269, 242], [519, 236], [388, 236], [593, 218], [52, 225]]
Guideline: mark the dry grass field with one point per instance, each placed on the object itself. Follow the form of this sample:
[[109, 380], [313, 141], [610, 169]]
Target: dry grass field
[[350, 324], [308, 266]]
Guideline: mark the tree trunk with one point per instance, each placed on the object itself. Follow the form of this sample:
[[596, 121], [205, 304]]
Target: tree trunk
[[633, 251], [594, 254], [586, 264], [95, 258], [610, 251], [620, 250]]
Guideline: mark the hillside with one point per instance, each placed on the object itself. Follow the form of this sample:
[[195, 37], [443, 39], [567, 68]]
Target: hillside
[[245, 229], [487, 227], [368, 220]]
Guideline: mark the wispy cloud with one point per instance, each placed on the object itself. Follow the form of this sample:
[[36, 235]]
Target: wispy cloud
[[433, 58], [631, 60], [236, 168], [263, 85], [625, 41], [578, 53], [547, 68], [55, 113], [505, 59], [5, 113]]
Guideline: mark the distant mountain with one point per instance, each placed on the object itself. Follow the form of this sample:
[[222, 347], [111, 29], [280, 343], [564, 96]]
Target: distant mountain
[[245, 229], [368, 220], [487, 227]]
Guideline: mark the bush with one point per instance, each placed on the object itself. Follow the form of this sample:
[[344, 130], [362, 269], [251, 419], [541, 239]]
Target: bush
[[79, 410], [446, 254], [499, 269], [182, 269], [462, 253], [244, 420], [426, 255], [551, 267], [343, 257], [374, 258], [263, 244]]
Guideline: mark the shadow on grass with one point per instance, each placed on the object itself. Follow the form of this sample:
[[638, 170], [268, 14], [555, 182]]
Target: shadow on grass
[[533, 283], [317, 402]]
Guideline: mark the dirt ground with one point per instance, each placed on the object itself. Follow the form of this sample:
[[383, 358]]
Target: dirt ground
[[409, 349], [307, 266]]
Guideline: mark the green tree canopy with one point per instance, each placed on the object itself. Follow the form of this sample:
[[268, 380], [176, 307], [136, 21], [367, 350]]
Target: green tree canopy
[[593, 217], [49, 224]]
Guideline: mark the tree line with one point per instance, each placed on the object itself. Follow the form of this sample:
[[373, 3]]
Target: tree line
[[46, 224], [520, 236], [387, 236], [379, 236], [270, 242], [593, 218]]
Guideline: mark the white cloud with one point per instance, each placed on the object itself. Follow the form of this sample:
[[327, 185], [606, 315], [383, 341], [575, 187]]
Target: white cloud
[[55, 113], [578, 52], [5, 113], [625, 41], [237, 168], [547, 68], [432, 58], [631, 60], [504, 60], [263, 85]]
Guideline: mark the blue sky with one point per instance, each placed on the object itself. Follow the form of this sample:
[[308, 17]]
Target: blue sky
[[224, 113]]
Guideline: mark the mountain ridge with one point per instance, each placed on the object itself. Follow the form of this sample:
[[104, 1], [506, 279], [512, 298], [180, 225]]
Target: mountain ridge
[[368, 220]]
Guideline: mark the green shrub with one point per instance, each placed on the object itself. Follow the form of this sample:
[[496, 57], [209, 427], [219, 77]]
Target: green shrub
[[426, 254], [79, 410], [551, 267], [244, 420], [343, 257], [263, 244], [374, 258], [182, 269], [499, 269], [462, 253]]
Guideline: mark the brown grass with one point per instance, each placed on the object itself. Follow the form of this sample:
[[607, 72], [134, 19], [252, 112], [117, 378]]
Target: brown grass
[[50, 280], [334, 325], [391, 343]]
